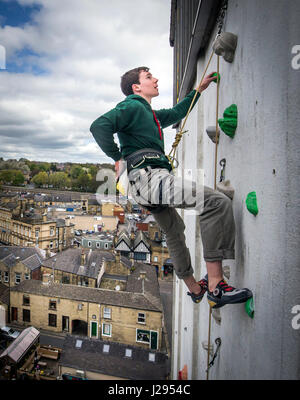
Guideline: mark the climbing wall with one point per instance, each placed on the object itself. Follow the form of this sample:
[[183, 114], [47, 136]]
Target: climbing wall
[[261, 155]]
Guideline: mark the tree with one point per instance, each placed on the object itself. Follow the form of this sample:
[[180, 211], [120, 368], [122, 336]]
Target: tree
[[40, 179], [59, 180], [84, 180], [18, 178], [75, 171], [6, 176]]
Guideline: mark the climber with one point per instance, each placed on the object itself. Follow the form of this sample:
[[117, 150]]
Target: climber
[[140, 133]]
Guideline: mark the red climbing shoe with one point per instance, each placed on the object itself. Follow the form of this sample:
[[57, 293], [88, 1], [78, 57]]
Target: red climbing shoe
[[224, 294], [203, 283]]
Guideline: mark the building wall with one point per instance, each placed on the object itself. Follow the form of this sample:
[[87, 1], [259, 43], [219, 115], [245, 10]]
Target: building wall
[[123, 320], [262, 157], [18, 268], [68, 278]]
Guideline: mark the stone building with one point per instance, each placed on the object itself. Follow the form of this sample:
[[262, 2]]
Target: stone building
[[134, 316], [22, 228], [19, 263], [76, 266]]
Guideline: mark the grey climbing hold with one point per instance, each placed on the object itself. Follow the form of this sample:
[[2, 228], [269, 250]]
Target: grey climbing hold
[[226, 188], [225, 45], [211, 132]]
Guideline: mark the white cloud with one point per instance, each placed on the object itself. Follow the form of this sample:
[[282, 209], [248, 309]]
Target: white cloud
[[83, 47]]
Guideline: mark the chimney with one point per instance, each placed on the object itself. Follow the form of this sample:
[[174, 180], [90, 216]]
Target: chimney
[[45, 217], [83, 257], [89, 255], [142, 277], [48, 253], [117, 257], [132, 235]]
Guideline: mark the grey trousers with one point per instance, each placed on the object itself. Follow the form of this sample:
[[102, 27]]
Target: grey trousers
[[160, 187]]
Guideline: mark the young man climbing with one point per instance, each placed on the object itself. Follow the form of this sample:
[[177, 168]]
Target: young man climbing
[[140, 133]]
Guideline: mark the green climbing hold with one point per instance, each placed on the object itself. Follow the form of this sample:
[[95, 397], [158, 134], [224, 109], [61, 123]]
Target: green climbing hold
[[251, 203], [216, 75], [228, 123], [249, 307]]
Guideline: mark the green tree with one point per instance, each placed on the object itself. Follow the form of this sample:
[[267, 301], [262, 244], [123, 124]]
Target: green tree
[[6, 176], [60, 180], [18, 178], [40, 179], [75, 171], [84, 180]]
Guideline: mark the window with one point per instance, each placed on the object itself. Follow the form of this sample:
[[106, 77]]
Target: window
[[155, 258], [107, 313], [37, 233], [26, 315], [140, 256], [141, 318], [26, 300], [27, 276], [18, 278], [51, 230], [106, 329], [52, 320], [106, 245], [51, 245], [89, 244], [52, 304], [106, 348], [98, 245], [142, 336], [128, 353]]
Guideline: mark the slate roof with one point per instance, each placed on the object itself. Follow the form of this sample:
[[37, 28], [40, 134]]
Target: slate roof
[[93, 295], [90, 357], [21, 344], [69, 260], [30, 256]]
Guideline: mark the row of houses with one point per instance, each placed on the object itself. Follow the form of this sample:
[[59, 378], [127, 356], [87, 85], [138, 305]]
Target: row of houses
[[118, 305], [94, 285]]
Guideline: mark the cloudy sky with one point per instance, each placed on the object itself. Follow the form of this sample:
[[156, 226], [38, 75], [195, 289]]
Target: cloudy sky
[[63, 64]]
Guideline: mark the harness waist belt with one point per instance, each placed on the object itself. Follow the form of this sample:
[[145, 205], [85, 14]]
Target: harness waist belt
[[137, 158]]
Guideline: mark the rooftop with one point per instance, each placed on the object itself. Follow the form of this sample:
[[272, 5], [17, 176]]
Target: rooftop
[[127, 299], [30, 256], [114, 362]]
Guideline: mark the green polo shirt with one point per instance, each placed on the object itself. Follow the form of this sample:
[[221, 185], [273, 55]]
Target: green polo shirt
[[135, 124]]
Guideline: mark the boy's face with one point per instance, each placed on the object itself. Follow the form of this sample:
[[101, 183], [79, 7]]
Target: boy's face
[[148, 87]]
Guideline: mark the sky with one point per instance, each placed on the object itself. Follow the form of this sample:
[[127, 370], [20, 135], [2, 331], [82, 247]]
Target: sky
[[62, 69]]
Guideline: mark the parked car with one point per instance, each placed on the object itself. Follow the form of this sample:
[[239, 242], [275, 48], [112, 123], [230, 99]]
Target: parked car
[[77, 233], [9, 333]]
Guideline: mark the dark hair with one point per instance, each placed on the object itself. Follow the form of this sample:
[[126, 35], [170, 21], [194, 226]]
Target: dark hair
[[131, 77]]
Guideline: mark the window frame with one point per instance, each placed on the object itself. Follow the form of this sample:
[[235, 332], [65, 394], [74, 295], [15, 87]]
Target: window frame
[[54, 316], [110, 329]]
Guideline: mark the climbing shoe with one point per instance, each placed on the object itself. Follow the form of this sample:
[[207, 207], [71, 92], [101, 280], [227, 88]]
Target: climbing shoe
[[224, 294], [203, 283]]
